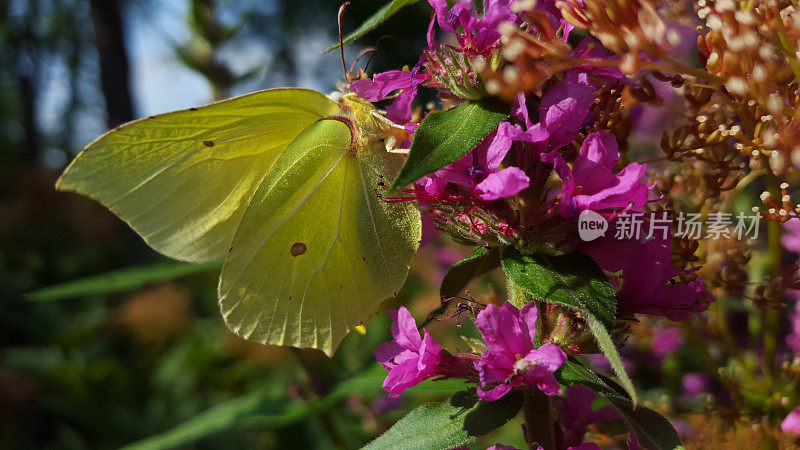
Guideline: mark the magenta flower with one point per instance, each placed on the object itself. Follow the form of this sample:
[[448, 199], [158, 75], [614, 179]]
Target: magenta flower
[[478, 34], [791, 236], [479, 170], [791, 424], [510, 358], [591, 49], [563, 111], [593, 184], [557, 20], [384, 83], [575, 414], [408, 358], [648, 283], [583, 446], [666, 340], [695, 383]]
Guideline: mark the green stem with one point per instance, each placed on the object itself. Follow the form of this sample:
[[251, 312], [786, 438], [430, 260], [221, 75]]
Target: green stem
[[310, 385], [714, 367], [720, 321], [771, 316], [538, 422]]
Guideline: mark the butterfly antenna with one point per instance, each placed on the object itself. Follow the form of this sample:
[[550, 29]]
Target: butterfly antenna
[[366, 51], [342, 9]]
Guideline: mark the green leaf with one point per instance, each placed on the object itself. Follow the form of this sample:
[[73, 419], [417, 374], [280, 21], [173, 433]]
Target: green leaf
[[121, 280], [258, 409], [209, 422], [610, 350], [449, 424], [576, 281], [444, 137], [652, 430], [380, 16], [265, 411], [477, 263], [572, 280]]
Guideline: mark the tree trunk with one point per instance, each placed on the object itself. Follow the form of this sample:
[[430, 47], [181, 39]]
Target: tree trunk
[[109, 39]]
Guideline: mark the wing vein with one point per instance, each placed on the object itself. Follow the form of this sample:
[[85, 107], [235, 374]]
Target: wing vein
[[372, 217], [324, 258]]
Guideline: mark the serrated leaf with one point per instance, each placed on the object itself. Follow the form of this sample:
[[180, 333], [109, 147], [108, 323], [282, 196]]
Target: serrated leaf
[[477, 263], [121, 280], [444, 137], [653, 431], [573, 280], [380, 16], [449, 424], [608, 348], [576, 281]]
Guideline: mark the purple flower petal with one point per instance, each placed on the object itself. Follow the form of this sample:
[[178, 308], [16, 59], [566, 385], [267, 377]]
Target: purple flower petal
[[791, 424], [500, 143], [401, 377], [399, 111], [509, 358], [494, 367], [504, 183], [565, 107], [791, 236], [666, 341], [382, 84], [430, 352], [599, 150], [548, 356], [695, 383], [503, 331], [404, 329], [585, 446], [502, 447], [529, 313], [519, 110], [496, 392], [386, 352], [409, 358], [646, 273]]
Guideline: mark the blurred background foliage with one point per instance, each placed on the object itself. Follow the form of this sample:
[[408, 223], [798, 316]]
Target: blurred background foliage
[[145, 352]]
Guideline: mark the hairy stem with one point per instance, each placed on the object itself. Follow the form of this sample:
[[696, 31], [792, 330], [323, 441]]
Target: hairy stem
[[538, 422]]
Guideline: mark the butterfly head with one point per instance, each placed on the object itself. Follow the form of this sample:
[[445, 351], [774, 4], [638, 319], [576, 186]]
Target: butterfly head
[[372, 125]]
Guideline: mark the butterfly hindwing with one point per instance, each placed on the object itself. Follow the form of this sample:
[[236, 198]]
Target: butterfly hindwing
[[317, 249]]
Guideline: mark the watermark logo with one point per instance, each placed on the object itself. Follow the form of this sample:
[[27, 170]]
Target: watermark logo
[[591, 225], [646, 226]]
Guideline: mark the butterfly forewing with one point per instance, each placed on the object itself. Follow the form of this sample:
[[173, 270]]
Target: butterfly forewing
[[183, 180]]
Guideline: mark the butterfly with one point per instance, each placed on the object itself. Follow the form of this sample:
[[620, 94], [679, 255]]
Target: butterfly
[[285, 184]]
